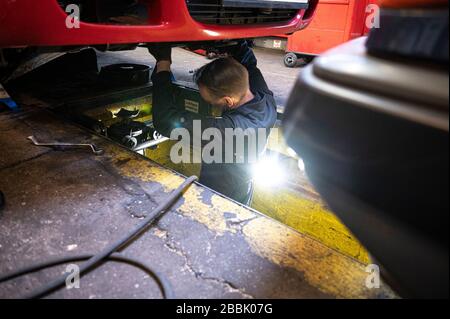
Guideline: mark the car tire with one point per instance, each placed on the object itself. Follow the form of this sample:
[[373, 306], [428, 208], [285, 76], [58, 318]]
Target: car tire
[[290, 60]]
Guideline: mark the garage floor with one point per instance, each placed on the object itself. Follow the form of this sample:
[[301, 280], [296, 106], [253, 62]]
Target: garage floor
[[297, 204], [71, 202]]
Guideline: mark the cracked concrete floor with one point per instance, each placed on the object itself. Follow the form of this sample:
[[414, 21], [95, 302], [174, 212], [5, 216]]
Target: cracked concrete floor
[[71, 202], [85, 209]]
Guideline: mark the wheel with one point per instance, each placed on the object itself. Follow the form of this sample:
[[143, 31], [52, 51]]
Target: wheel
[[290, 60]]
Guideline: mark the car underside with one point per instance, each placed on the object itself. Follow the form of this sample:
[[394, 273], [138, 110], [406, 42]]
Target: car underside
[[32, 28]]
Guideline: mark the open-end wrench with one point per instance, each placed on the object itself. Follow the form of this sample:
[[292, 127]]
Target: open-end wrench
[[94, 149]]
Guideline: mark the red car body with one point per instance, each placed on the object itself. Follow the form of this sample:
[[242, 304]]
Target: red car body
[[43, 23]]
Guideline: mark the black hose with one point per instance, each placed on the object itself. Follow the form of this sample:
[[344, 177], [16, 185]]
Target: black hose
[[96, 259], [163, 283]]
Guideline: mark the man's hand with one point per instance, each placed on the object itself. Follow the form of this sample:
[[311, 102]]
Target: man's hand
[[161, 52]]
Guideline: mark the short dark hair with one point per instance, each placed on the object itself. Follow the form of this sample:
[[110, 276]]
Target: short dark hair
[[224, 77]]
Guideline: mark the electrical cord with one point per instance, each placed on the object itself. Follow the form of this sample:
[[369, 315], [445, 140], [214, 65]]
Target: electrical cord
[[95, 260], [162, 282]]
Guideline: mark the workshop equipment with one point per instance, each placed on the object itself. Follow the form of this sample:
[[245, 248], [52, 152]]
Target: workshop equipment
[[94, 149], [373, 134], [131, 124], [139, 134], [188, 98], [128, 132], [335, 22]]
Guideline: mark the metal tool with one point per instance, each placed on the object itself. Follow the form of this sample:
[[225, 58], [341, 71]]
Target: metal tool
[[94, 148]]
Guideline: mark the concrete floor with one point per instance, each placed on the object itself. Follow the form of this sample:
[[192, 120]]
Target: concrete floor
[[67, 202], [279, 78], [295, 203], [206, 245], [291, 206]]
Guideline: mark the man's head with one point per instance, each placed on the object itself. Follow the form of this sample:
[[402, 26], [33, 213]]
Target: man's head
[[223, 82]]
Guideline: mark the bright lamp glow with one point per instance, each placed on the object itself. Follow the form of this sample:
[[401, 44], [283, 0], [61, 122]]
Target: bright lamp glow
[[291, 152], [301, 165], [268, 172]]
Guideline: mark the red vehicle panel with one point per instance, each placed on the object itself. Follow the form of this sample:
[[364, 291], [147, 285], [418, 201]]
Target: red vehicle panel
[[336, 22], [43, 23]]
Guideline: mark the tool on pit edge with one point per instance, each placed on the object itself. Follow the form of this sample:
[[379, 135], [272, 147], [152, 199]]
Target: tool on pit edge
[[94, 148]]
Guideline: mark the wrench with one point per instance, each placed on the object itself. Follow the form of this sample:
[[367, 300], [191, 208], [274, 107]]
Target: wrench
[[94, 149]]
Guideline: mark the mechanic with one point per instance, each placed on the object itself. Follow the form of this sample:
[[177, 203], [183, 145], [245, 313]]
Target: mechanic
[[236, 86]]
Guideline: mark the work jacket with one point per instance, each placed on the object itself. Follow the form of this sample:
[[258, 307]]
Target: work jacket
[[231, 179]]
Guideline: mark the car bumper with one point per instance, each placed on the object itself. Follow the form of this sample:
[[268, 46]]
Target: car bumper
[[43, 23]]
